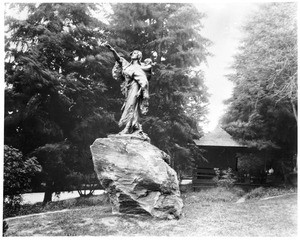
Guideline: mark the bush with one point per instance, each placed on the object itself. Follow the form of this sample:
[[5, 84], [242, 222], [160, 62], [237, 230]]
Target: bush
[[224, 178], [262, 192], [17, 176], [84, 184], [239, 192], [12, 205], [251, 163], [256, 193]]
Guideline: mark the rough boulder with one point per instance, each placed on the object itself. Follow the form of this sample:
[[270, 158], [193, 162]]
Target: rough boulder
[[136, 176]]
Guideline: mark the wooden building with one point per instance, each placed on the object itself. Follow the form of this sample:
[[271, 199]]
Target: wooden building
[[220, 151]]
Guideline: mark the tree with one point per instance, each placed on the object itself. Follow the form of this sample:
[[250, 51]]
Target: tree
[[178, 97], [18, 172], [263, 109], [53, 159], [56, 93], [60, 94]]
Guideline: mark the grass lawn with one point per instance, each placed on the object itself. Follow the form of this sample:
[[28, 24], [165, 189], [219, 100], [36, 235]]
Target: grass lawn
[[206, 213]]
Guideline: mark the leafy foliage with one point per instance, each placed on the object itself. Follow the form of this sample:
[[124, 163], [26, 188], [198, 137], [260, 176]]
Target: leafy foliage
[[18, 172], [251, 163], [60, 95], [54, 160], [263, 109], [225, 178], [178, 97], [84, 183], [56, 96]]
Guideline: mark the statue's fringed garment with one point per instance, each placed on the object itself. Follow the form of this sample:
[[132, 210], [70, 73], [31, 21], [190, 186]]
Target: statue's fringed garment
[[134, 86]]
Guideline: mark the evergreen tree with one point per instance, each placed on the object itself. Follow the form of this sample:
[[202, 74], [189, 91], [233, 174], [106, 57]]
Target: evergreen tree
[[263, 109], [56, 94], [178, 96], [60, 95]]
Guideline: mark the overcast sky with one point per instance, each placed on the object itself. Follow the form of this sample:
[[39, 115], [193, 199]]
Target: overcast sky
[[223, 27]]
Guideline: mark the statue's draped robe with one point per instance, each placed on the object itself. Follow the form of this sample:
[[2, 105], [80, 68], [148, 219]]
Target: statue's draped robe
[[135, 87]]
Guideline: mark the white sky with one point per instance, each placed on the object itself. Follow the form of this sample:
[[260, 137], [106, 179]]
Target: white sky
[[222, 26]]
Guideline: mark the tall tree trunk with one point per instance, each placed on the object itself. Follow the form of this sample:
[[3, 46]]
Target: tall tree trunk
[[48, 192]]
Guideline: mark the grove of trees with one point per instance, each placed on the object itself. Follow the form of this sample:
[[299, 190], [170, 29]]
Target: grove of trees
[[60, 95], [263, 109]]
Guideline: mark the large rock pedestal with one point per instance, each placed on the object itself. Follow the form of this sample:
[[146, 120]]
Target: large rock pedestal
[[136, 176]]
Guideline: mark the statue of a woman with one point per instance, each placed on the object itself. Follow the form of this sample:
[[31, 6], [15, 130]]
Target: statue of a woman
[[134, 87]]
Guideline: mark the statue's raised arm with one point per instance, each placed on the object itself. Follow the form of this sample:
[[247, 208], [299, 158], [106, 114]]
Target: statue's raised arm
[[116, 55]]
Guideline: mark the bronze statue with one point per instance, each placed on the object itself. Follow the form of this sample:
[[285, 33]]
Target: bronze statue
[[135, 87]]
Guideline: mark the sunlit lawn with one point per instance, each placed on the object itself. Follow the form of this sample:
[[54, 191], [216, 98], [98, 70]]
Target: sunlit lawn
[[203, 215]]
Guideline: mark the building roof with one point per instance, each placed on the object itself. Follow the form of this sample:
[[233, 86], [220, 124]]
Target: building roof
[[218, 137]]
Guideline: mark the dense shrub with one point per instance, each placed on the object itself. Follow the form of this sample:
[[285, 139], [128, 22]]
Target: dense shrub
[[256, 193], [251, 163], [18, 172], [224, 178]]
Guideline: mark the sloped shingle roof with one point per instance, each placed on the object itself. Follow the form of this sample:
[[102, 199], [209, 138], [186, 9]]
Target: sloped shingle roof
[[218, 137]]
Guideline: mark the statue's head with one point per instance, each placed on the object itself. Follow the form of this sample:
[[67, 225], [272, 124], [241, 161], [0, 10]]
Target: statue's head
[[136, 54]]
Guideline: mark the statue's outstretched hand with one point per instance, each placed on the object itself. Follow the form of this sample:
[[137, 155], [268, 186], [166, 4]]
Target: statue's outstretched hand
[[116, 55], [108, 46]]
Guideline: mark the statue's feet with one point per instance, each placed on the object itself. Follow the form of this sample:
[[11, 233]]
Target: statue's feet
[[124, 131], [139, 133]]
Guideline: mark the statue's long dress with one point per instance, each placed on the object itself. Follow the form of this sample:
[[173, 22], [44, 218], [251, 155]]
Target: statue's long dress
[[134, 79]]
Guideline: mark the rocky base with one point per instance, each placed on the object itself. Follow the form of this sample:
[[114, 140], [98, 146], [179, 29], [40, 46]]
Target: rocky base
[[136, 176]]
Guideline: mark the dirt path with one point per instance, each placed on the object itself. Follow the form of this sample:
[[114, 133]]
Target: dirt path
[[39, 214], [243, 199], [279, 196]]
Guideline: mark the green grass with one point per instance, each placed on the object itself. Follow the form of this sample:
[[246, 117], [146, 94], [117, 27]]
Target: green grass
[[80, 202], [212, 212]]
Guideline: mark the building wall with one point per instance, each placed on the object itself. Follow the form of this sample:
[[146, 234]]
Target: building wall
[[219, 157]]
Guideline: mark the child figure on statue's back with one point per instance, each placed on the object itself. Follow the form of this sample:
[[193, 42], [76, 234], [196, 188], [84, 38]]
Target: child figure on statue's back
[[147, 67]]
